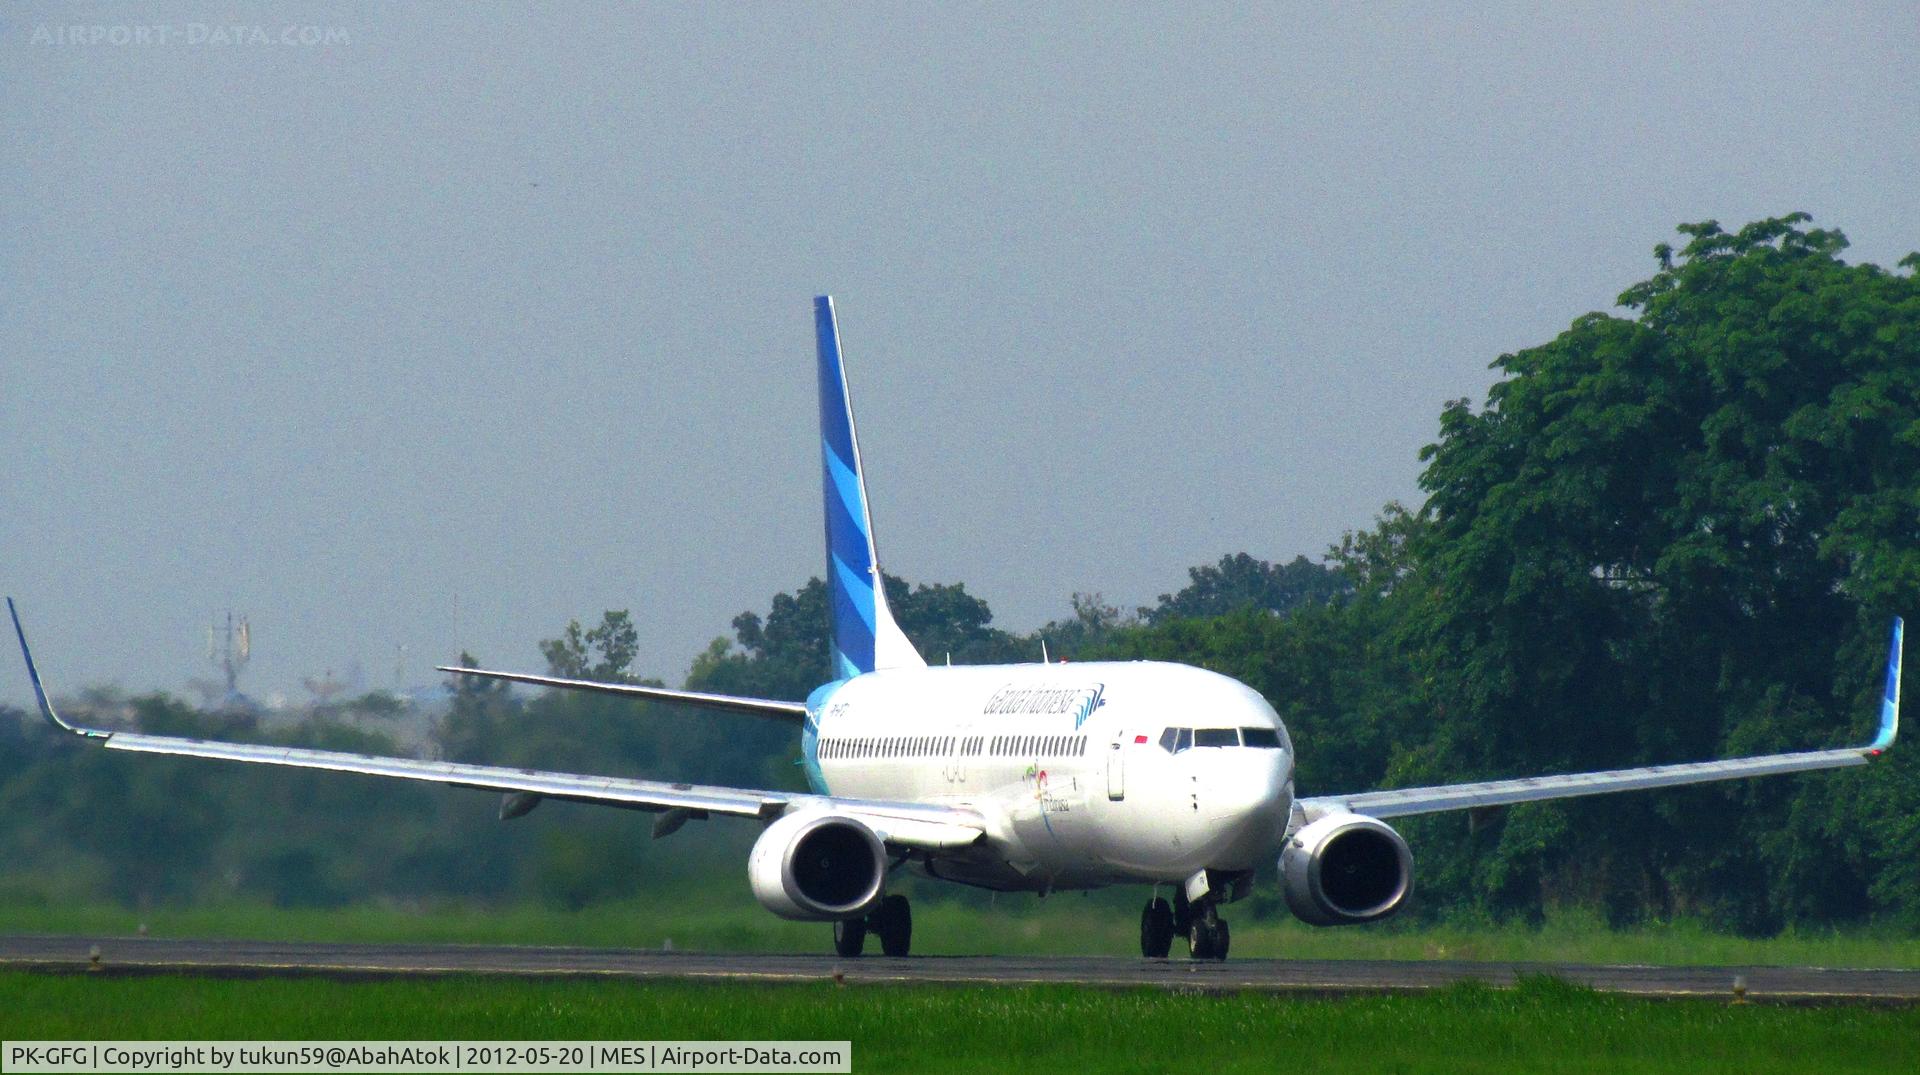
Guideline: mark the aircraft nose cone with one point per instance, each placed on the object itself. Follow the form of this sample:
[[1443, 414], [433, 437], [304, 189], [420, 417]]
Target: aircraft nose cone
[[1246, 784], [1245, 800]]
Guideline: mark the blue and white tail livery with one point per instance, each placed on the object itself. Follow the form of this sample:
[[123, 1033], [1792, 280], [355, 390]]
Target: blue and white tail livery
[[1028, 777], [865, 636]]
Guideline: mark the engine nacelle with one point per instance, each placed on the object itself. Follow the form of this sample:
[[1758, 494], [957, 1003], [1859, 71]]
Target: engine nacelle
[[817, 867], [1344, 869]]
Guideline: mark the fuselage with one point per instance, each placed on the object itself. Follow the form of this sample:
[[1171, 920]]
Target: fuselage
[[1087, 774]]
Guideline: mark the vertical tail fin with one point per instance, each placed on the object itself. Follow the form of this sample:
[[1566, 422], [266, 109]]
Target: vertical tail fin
[[865, 637]]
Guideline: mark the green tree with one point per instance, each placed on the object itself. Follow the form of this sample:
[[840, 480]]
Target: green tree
[[604, 652], [1674, 535], [480, 714], [784, 654], [1374, 562], [1240, 581], [945, 621], [1091, 628]]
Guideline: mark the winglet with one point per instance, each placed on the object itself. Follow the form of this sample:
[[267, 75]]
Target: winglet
[[1890, 702], [40, 692]]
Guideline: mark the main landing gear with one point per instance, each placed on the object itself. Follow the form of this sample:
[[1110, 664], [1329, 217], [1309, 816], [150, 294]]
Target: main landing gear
[[891, 921], [1156, 929], [1206, 932]]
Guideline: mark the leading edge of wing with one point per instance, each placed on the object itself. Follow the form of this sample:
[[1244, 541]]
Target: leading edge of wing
[[918, 825], [609, 790], [759, 707], [1428, 800]]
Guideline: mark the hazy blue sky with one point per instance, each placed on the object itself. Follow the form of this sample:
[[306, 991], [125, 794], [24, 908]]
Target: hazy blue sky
[[473, 320]]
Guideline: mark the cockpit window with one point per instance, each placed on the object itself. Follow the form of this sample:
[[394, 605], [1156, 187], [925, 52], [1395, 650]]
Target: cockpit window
[[1175, 740]]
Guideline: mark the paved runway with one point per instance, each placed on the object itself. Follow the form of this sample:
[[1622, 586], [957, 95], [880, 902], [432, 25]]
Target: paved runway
[[247, 958]]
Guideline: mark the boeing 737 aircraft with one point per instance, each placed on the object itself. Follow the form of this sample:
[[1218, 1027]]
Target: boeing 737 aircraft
[[1020, 778]]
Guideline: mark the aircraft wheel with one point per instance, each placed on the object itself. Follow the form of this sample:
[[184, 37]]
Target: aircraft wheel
[[1182, 911], [893, 921], [1207, 937], [849, 936], [1156, 929], [1199, 940]]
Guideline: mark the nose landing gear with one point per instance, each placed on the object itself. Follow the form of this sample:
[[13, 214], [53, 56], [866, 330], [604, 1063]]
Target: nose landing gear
[[891, 921], [1206, 932], [849, 936]]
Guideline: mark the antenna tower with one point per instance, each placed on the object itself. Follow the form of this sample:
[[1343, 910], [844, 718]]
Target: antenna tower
[[230, 651]]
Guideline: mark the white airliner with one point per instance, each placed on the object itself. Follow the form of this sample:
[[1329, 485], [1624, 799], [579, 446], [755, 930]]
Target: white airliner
[[1030, 778]]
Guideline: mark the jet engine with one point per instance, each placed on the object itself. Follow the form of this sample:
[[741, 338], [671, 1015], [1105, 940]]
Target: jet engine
[[817, 867], [1344, 869]]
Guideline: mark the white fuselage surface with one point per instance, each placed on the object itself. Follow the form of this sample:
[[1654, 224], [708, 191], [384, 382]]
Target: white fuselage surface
[[1087, 774]]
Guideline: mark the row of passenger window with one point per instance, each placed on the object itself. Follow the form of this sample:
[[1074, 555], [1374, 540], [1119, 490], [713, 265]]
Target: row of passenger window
[[1046, 746], [888, 746], [939, 746], [1175, 740]]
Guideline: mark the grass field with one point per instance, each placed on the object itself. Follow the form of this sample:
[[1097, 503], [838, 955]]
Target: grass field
[[1060, 926], [1540, 1026]]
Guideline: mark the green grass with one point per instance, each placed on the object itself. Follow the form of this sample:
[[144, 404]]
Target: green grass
[[1540, 1026], [1062, 925]]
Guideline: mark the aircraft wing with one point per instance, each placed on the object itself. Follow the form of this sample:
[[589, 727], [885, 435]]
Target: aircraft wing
[[759, 707], [911, 825], [1429, 800]]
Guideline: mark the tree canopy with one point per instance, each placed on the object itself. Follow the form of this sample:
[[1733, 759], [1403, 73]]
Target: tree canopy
[[1240, 581], [1677, 534]]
